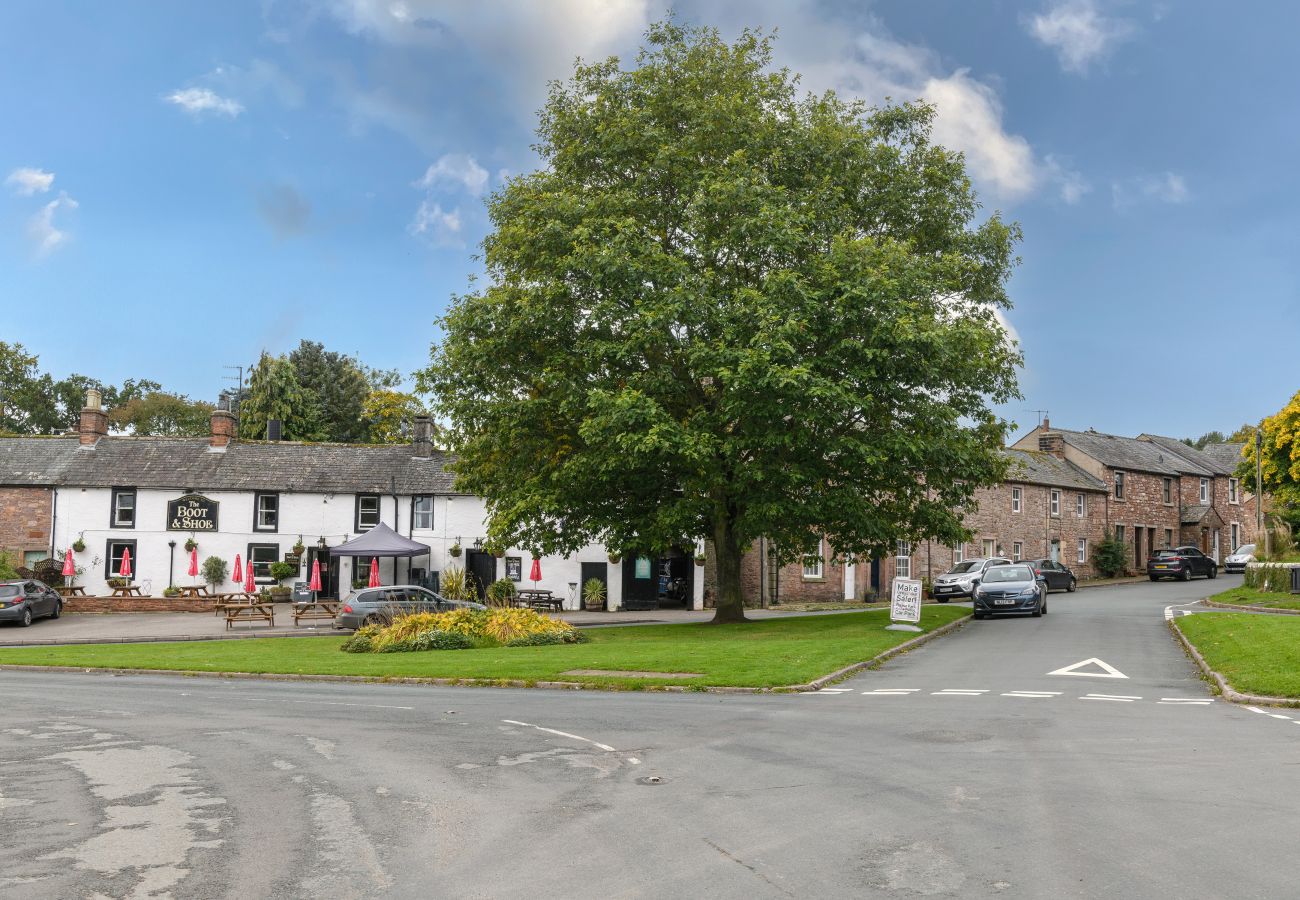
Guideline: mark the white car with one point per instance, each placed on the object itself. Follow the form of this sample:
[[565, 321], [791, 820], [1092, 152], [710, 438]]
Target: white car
[[1237, 559], [961, 579]]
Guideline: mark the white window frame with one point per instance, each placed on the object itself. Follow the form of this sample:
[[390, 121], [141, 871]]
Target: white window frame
[[1082, 556], [1016, 551], [1119, 485], [1234, 490], [958, 553], [903, 560], [1205, 490], [418, 515], [1081, 505], [260, 512], [1234, 531], [1015, 499], [989, 546], [817, 571], [1056, 503], [118, 495]]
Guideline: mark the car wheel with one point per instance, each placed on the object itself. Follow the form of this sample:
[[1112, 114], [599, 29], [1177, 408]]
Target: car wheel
[[1038, 610], [1214, 572], [1154, 577], [1186, 574], [27, 618], [58, 610], [941, 599], [1069, 588], [372, 620]]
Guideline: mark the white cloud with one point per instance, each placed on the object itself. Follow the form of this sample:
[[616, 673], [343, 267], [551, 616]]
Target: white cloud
[[41, 228], [455, 168], [197, 101], [1078, 32], [1070, 183], [970, 119], [27, 181], [435, 224], [1167, 187]]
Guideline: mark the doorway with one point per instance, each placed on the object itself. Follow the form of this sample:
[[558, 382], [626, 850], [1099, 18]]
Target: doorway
[[1138, 561], [659, 582], [600, 572], [1056, 549], [480, 571], [329, 571]]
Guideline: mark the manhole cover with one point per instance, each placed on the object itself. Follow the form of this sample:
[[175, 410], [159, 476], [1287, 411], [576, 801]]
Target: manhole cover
[[650, 779]]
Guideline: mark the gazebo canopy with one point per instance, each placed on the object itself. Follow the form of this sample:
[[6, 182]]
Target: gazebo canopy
[[380, 541]]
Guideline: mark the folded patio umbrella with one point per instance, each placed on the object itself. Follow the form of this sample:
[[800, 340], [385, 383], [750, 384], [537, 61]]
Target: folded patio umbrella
[[194, 562], [535, 574], [249, 585], [124, 570], [374, 572], [68, 568], [238, 574], [315, 576]]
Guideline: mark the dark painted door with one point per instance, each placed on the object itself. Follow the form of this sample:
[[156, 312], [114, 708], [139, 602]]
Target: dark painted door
[[480, 571], [600, 572]]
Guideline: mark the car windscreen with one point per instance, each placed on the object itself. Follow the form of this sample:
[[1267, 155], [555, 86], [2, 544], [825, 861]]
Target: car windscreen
[[1167, 553], [10, 590], [969, 565], [1244, 550], [1007, 573]]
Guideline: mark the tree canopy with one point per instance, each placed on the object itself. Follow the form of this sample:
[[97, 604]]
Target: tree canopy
[[724, 310], [1279, 455]]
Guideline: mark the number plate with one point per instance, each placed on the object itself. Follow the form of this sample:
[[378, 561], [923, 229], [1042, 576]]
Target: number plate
[[1162, 567], [1004, 602]]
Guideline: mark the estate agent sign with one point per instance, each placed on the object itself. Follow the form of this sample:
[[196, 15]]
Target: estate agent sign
[[193, 512]]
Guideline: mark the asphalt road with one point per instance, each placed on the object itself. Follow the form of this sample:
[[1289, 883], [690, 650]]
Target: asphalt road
[[973, 773]]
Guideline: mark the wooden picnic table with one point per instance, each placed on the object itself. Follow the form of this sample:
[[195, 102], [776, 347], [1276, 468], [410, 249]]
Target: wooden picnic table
[[130, 590], [70, 590], [314, 609], [538, 598], [193, 591], [256, 610]]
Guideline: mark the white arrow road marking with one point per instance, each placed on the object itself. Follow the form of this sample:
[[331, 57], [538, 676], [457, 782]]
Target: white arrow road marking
[[1111, 671], [1118, 698], [562, 734]]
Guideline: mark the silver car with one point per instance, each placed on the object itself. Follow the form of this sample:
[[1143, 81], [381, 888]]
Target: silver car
[[1237, 559], [380, 605], [961, 579]]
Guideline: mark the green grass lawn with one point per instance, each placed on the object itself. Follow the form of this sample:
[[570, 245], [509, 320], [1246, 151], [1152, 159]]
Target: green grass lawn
[[764, 653], [1245, 596], [1256, 653]]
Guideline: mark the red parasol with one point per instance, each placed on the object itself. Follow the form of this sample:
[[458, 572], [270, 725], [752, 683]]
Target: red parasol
[[194, 561], [249, 584], [68, 568], [315, 575], [238, 574], [124, 570], [535, 574], [374, 572]]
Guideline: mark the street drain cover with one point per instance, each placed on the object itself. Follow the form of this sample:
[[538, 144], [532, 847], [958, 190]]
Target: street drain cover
[[650, 779]]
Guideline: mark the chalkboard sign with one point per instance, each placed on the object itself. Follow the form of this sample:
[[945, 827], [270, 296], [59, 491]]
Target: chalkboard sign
[[301, 592]]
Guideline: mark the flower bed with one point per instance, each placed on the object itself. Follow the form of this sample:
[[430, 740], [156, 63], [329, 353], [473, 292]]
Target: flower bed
[[463, 629]]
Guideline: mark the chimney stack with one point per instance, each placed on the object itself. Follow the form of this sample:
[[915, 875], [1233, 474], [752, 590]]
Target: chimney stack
[[1051, 441], [422, 437], [223, 429], [94, 420], [273, 429]]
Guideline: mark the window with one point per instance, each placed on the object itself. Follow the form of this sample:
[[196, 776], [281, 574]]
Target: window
[[1015, 551], [1168, 491], [1235, 532], [260, 557], [266, 512], [367, 511], [1015, 500], [1082, 556], [1119, 485], [1169, 537], [988, 547], [903, 563], [814, 566], [1056, 503], [361, 575], [958, 553], [1081, 505], [1232, 491], [113, 559], [123, 515], [1205, 490], [1119, 533], [422, 513]]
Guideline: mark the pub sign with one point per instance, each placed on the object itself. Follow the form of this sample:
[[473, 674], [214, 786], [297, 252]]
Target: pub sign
[[193, 512]]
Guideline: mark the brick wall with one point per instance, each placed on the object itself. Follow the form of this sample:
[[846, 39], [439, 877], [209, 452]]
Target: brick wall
[[1242, 513], [1143, 507], [24, 520], [137, 604]]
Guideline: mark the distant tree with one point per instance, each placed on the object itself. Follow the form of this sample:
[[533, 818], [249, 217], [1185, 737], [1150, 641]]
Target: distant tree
[[20, 390], [1243, 435], [159, 413], [388, 414], [334, 388], [1210, 437], [722, 309], [1279, 456], [274, 393]]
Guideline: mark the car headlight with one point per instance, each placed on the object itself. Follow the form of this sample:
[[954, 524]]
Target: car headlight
[[1029, 591]]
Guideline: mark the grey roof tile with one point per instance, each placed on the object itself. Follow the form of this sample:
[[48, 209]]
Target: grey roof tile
[[1197, 461], [1227, 456], [1035, 467], [1125, 453]]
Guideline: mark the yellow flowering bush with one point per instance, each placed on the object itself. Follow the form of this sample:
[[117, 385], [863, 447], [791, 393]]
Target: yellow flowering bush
[[509, 627]]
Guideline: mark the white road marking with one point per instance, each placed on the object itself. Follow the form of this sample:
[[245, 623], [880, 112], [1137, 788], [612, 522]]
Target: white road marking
[[1047, 694], [1185, 701], [835, 691], [890, 692], [562, 734], [1256, 710], [322, 702], [1280, 716], [1111, 671], [958, 692], [1117, 698]]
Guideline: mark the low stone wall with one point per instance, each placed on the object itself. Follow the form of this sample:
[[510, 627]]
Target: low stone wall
[[137, 604]]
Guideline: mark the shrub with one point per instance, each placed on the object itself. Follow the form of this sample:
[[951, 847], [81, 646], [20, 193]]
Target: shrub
[[171, 591], [1110, 557], [282, 570], [545, 638], [593, 594], [452, 584], [506, 624], [7, 570], [461, 629], [441, 640], [214, 570], [361, 640], [1269, 578], [501, 592]]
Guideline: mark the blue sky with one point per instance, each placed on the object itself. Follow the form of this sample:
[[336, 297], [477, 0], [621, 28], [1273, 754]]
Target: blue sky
[[185, 185]]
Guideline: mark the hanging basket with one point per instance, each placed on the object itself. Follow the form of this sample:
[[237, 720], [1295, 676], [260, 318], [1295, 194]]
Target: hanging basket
[[699, 561], [454, 551], [615, 558], [191, 545]]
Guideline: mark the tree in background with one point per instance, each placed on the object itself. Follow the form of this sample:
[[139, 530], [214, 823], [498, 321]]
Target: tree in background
[[388, 415], [1241, 435], [159, 413], [1279, 456], [20, 392], [274, 393], [333, 390], [720, 309]]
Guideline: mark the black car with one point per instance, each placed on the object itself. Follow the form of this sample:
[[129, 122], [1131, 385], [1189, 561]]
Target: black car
[[1058, 575], [27, 599], [1181, 562], [1010, 589]]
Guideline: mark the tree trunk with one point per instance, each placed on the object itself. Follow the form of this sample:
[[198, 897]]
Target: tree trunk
[[727, 553]]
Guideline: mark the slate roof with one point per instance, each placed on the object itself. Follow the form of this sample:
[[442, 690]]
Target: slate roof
[[1198, 462], [1034, 467], [180, 463], [1227, 456], [1197, 515], [1129, 454]]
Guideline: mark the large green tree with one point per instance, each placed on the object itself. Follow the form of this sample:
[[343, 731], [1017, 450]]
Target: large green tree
[[274, 393], [333, 390], [724, 309], [159, 413], [1279, 455]]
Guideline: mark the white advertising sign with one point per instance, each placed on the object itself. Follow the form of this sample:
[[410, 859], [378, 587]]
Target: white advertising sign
[[905, 602]]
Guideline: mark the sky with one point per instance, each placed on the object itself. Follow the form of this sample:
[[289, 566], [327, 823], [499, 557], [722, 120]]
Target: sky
[[183, 186]]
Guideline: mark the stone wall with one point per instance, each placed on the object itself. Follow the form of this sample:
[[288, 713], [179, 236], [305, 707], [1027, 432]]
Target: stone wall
[[137, 605], [1143, 507], [24, 521]]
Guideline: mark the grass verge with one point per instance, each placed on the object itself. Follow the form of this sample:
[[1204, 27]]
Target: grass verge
[[1256, 654], [764, 653], [1244, 596]]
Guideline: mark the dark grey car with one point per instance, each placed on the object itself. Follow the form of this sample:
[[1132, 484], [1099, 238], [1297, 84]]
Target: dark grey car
[[1010, 589], [27, 599], [1058, 575], [379, 606]]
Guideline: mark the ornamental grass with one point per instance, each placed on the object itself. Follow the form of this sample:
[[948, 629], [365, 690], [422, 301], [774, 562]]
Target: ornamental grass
[[479, 628]]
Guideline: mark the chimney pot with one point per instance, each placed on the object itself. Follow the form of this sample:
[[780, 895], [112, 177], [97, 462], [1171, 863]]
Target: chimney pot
[[223, 428], [94, 420]]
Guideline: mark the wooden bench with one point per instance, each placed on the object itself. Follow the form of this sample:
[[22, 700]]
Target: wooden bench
[[73, 590], [538, 599], [316, 609], [193, 591], [236, 611]]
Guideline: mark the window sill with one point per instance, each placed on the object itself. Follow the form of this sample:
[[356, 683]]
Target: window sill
[[809, 580]]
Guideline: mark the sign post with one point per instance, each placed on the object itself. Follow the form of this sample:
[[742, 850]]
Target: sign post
[[905, 605]]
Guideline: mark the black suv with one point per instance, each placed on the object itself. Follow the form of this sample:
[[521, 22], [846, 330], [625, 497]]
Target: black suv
[[27, 599], [1181, 562]]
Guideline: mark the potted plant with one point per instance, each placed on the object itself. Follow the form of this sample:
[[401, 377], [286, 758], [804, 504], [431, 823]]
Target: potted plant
[[79, 545], [495, 549], [501, 593], [119, 582], [593, 594], [699, 559], [615, 558], [215, 572], [190, 544], [454, 550], [280, 571], [171, 591], [299, 548]]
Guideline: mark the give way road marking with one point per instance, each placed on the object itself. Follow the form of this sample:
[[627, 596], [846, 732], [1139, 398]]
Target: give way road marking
[[1109, 671]]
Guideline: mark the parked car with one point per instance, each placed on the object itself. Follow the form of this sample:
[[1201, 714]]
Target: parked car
[[379, 606], [27, 599], [1058, 575], [1180, 562], [961, 579], [1010, 588], [1237, 559]]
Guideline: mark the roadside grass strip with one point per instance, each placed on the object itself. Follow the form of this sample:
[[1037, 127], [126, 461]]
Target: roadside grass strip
[[767, 653], [1244, 596], [1255, 654]]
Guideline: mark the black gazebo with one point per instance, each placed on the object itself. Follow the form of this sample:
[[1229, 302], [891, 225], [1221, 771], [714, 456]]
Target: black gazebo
[[381, 541]]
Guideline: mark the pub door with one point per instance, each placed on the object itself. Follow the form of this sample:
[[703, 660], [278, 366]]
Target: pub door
[[480, 571], [329, 572]]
